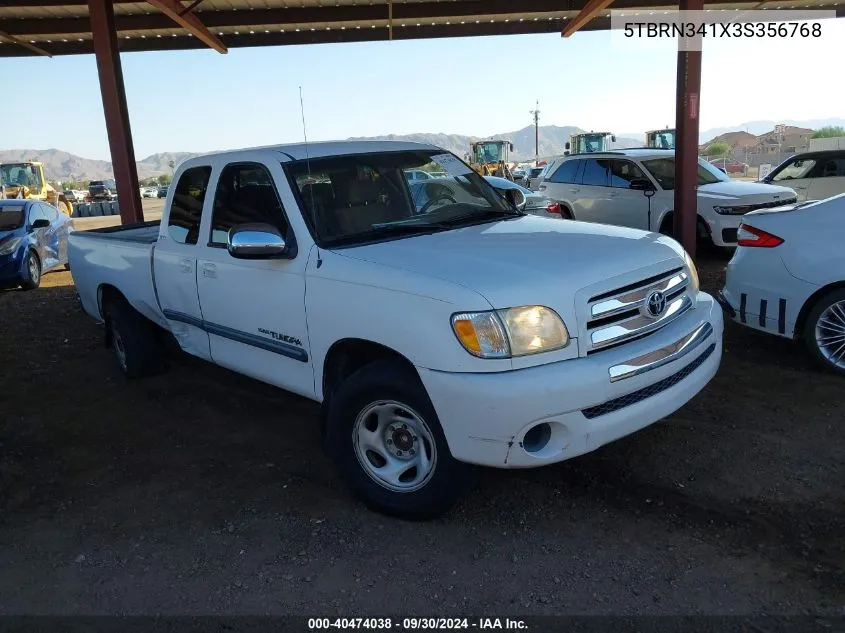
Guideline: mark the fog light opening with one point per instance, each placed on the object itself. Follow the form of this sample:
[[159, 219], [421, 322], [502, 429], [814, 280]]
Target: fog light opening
[[537, 437]]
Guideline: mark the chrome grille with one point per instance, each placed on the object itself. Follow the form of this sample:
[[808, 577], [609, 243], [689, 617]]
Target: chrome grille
[[622, 315]]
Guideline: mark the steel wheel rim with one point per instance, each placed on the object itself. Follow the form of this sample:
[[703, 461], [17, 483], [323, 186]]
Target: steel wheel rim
[[33, 268], [830, 334], [394, 446], [119, 349]]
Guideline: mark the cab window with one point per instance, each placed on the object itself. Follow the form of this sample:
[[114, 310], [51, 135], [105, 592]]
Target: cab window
[[183, 224]]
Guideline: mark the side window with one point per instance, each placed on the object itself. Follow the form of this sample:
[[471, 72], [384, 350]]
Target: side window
[[622, 172], [35, 213], [595, 172], [50, 212], [566, 173], [245, 194], [186, 208], [830, 168]]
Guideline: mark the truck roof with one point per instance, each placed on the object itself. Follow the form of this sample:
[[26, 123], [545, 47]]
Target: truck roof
[[301, 151]]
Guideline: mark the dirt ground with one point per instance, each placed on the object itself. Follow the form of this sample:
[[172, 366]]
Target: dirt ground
[[203, 492]]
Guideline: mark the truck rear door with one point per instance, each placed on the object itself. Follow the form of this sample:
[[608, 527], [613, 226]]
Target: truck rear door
[[175, 261]]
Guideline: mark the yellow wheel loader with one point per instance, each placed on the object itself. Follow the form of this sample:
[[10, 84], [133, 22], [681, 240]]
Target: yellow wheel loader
[[26, 181]]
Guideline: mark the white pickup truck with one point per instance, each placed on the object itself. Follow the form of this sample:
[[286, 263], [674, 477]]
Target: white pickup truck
[[436, 334]]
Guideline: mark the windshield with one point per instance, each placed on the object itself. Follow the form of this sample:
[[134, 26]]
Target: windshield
[[367, 197], [488, 153], [796, 169], [663, 140], [11, 217], [15, 175], [663, 170]]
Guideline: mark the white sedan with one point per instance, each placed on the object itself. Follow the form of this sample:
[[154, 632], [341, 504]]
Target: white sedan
[[787, 276]]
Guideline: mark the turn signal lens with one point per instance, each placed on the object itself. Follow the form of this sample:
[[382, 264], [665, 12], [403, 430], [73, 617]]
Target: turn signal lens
[[482, 334]]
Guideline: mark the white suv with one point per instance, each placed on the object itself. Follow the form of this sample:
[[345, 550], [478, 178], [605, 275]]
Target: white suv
[[612, 187]]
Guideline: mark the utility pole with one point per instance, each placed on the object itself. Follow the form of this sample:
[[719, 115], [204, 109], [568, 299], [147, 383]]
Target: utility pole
[[536, 113]]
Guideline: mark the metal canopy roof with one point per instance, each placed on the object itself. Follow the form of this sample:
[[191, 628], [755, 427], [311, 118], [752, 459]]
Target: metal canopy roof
[[62, 27]]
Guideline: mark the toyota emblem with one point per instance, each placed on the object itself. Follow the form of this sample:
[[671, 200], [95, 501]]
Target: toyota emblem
[[655, 304]]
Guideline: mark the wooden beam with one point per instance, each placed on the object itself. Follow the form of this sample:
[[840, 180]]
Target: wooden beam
[[173, 9], [13, 40], [116, 112], [590, 10], [687, 115]]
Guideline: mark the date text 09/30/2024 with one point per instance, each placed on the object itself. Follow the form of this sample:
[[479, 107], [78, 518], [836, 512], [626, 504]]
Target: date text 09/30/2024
[[414, 624]]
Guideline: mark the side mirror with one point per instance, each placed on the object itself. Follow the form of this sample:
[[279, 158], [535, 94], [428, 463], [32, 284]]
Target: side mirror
[[613, 138], [255, 241], [40, 224], [566, 147], [642, 184], [516, 198]]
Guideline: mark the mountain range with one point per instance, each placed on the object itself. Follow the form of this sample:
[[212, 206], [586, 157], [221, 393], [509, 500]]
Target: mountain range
[[61, 165]]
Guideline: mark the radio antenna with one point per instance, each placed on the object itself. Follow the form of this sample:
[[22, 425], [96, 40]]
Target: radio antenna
[[308, 169]]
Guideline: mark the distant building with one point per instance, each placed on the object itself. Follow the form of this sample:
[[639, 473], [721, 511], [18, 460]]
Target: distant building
[[783, 139]]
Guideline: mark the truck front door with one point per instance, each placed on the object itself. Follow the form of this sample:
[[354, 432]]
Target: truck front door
[[175, 262], [254, 309]]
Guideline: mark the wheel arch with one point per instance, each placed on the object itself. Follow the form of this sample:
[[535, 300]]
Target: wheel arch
[[810, 302], [346, 356]]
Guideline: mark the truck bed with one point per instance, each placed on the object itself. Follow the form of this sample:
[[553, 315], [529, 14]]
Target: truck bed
[[119, 257], [141, 233]]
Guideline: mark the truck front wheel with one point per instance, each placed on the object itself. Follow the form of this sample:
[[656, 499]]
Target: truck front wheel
[[134, 339], [384, 434]]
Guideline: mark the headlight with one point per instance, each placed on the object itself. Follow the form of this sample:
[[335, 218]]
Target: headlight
[[732, 210], [9, 246], [510, 332], [693, 271]]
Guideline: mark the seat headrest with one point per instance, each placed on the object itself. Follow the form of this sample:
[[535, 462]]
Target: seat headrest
[[363, 192]]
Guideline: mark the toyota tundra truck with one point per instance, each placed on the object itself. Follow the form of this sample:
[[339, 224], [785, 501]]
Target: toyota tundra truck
[[437, 331]]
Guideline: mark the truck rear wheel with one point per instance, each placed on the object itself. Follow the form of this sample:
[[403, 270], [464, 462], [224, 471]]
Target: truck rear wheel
[[384, 435], [134, 339]]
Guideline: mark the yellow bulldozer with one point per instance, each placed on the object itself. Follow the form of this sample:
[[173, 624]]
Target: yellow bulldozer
[[26, 181], [490, 158]]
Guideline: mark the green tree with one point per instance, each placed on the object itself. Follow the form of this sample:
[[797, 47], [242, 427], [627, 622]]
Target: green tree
[[164, 179], [719, 148], [829, 131]]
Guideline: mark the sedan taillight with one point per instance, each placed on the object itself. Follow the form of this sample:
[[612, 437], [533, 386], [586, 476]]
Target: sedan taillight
[[748, 235], [554, 207]]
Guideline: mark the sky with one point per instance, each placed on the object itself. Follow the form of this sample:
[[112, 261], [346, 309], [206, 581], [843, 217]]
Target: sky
[[198, 101]]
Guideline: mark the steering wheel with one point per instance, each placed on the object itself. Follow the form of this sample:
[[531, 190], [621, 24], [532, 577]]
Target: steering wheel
[[431, 202]]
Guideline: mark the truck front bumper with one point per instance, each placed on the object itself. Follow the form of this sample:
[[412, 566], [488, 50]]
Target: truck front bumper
[[541, 415]]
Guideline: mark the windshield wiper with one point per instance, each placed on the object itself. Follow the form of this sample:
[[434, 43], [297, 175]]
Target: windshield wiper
[[407, 227], [483, 216]]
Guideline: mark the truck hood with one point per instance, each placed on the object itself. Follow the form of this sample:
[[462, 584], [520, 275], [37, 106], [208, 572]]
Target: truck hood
[[529, 260], [746, 192]]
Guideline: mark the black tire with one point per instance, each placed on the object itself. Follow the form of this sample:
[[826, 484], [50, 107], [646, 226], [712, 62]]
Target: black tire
[[809, 334], [32, 271], [566, 212], [134, 339], [390, 380]]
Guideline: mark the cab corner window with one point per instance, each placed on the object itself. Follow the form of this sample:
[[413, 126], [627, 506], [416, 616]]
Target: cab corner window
[[183, 224], [245, 194]]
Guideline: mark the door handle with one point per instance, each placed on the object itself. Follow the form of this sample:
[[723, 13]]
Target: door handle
[[799, 187], [613, 194], [209, 270], [186, 265], [574, 190]]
